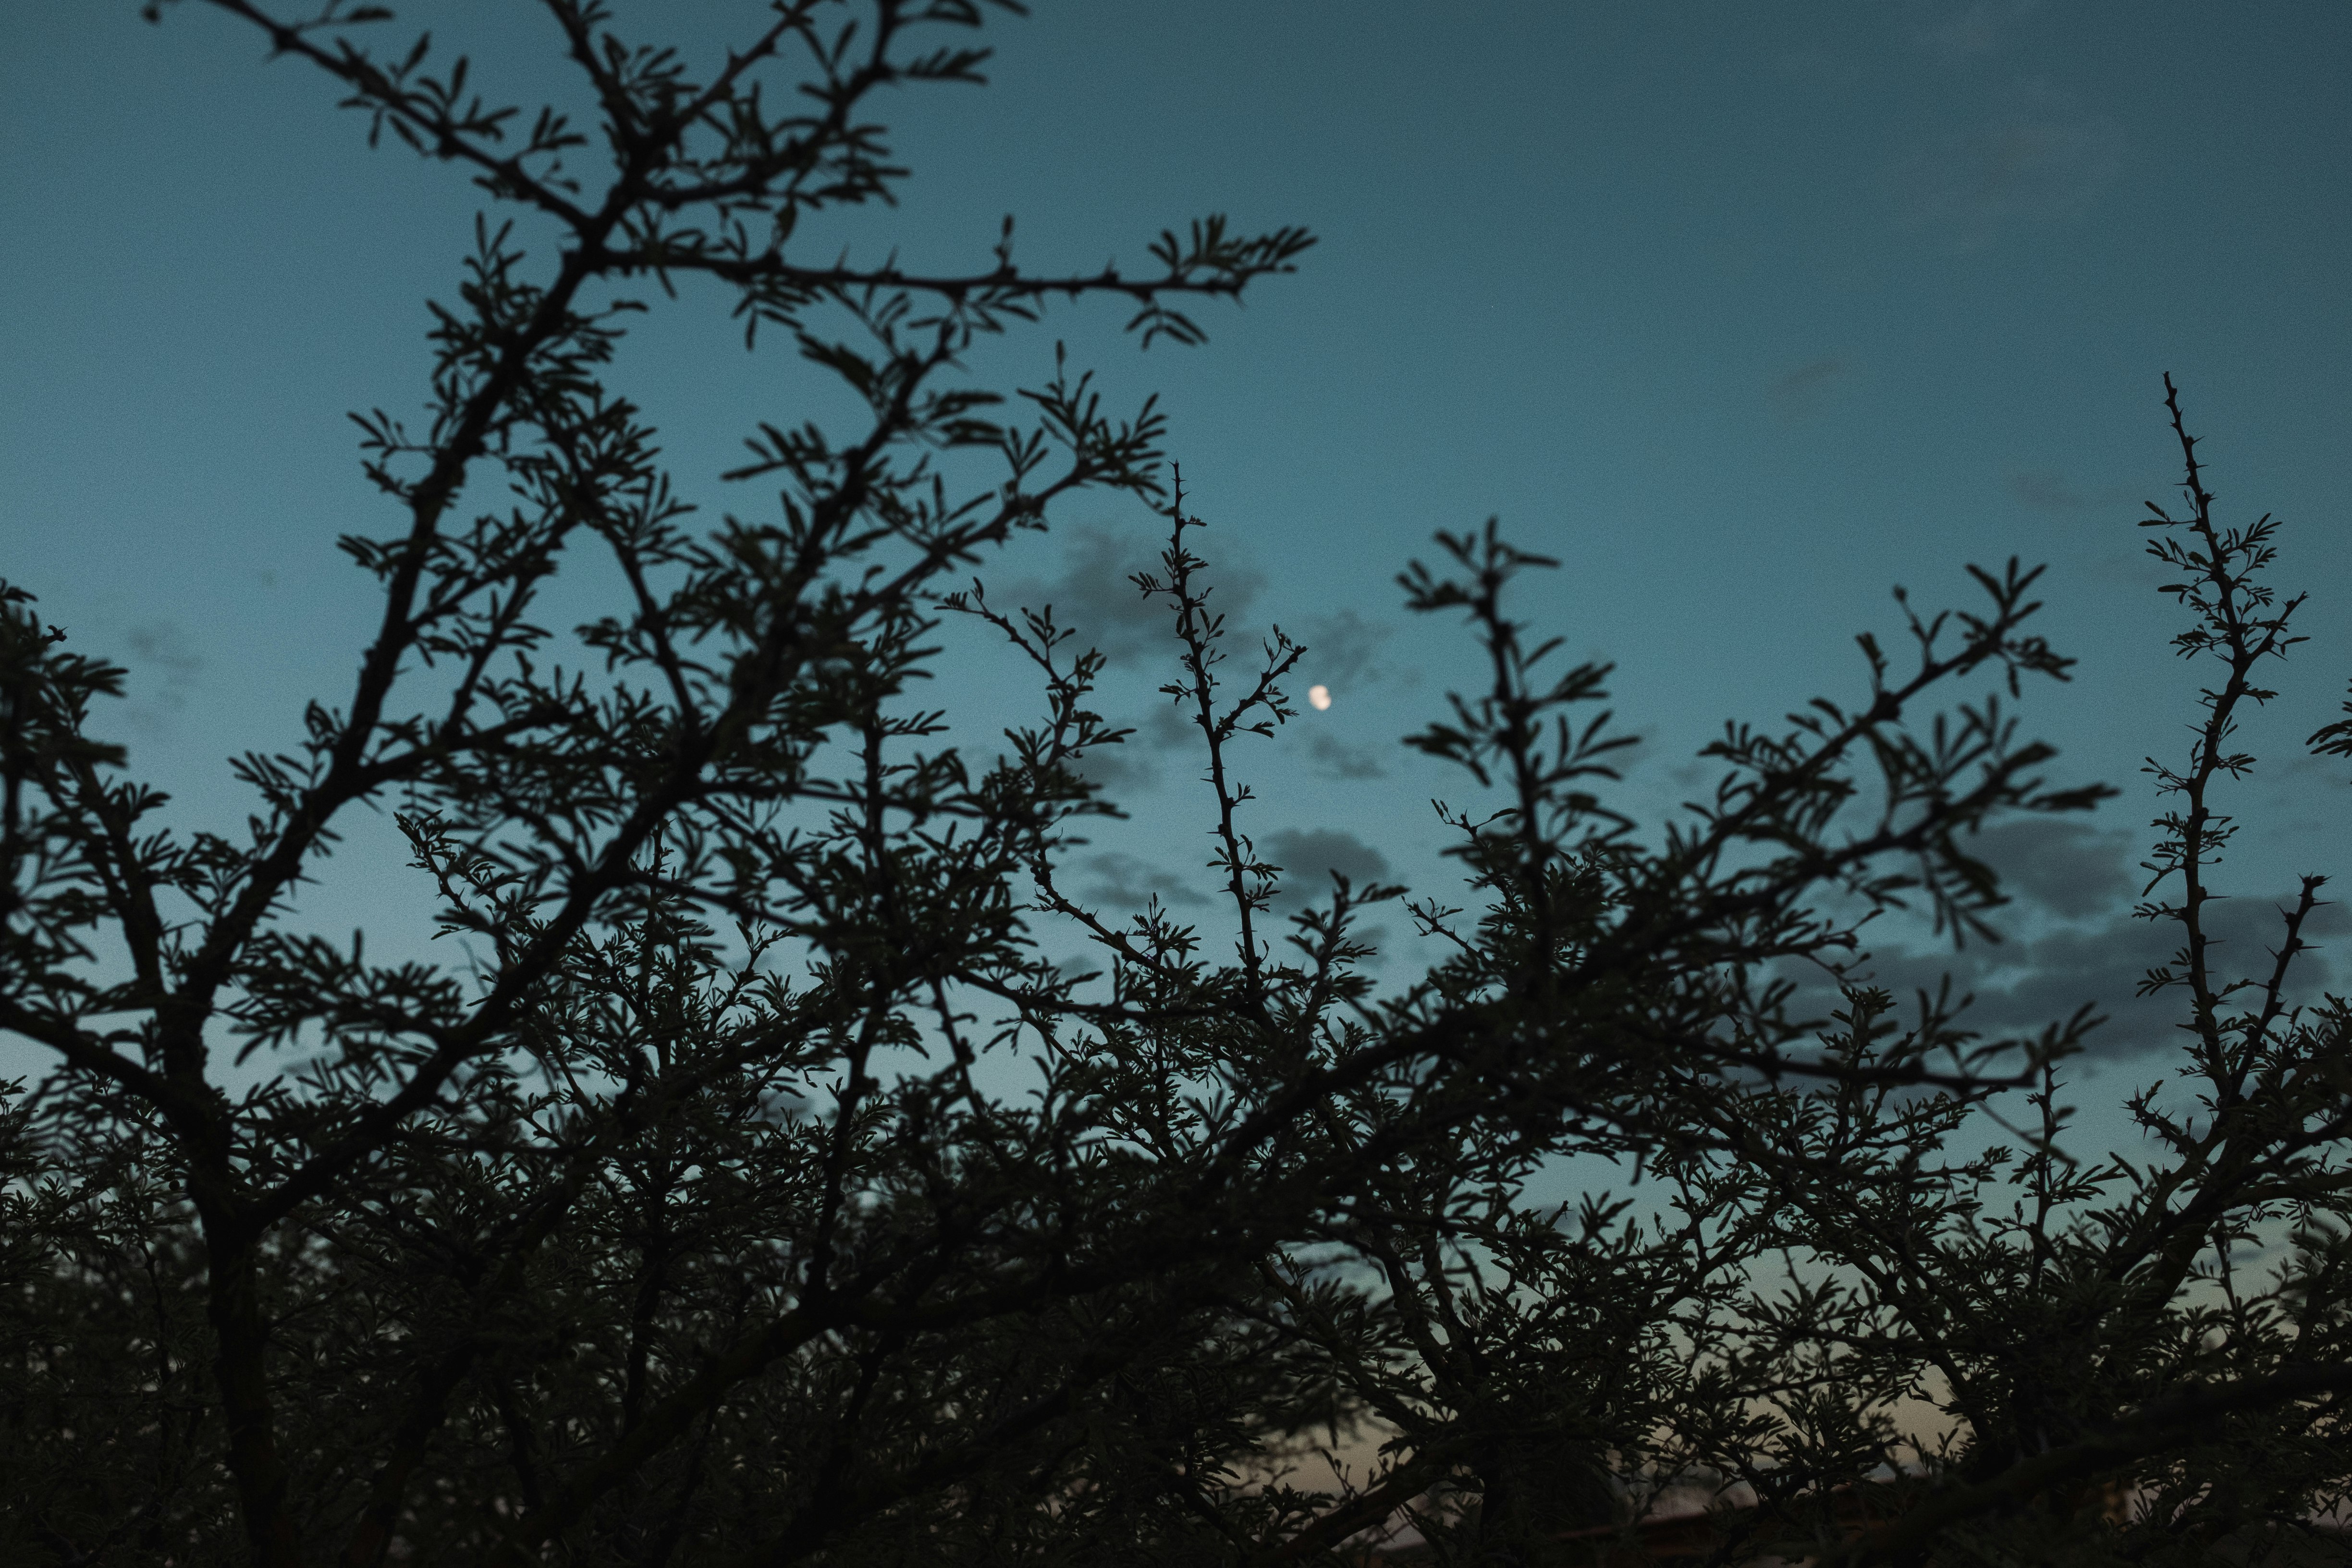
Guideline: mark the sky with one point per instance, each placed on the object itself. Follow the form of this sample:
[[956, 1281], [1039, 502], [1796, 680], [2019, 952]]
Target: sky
[[1747, 314]]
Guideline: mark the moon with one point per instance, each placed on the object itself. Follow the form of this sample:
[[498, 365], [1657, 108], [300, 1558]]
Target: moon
[[1318, 698]]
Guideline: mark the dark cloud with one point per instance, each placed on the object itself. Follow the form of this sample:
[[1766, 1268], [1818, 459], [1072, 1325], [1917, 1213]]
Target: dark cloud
[[2047, 489], [1334, 758], [1119, 769], [2066, 866], [1695, 776], [2022, 985], [1129, 882], [1308, 856], [2038, 157], [167, 649], [164, 644], [1342, 649], [2076, 941], [2304, 769], [1170, 727], [1806, 390], [1093, 593]]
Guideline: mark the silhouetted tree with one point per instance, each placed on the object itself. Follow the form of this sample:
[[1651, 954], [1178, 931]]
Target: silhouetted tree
[[680, 1222]]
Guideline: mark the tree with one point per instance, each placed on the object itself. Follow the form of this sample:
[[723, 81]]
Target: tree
[[679, 1224]]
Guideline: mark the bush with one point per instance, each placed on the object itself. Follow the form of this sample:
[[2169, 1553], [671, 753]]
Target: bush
[[678, 1225]]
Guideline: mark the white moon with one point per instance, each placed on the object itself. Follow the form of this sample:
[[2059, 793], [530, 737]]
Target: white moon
[[1318, 698]]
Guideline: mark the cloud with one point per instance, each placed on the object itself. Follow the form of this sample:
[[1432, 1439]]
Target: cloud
[[2074, 941], [1955, 34], [1806, 390], [2047, 489], [2301, 771], [2020, 986], [2040, 156], [164, 647], [1130, 882], [1812, 66], [163, 644], [1118, 768], [1092, 595], [1308, 856], [1334, 758], [1169, 727], [2066, 866], [1342, 649], [2127, 568]]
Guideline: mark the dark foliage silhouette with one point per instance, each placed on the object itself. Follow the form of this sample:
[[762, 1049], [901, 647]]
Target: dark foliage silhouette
[[687, 1216]]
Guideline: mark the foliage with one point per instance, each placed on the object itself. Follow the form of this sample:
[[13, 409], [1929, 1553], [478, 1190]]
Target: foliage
[[691, 1220]]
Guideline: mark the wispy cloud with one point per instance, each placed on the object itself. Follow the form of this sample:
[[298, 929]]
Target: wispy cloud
[[1956, 33], [1342, 657], [1343, 649], [1334, 758], [2039, 156], [2047, 489], [167, 648], [1813, 65], [1805, 391]]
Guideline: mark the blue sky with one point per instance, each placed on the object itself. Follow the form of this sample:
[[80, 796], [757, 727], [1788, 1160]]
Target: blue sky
[[1747, 313]]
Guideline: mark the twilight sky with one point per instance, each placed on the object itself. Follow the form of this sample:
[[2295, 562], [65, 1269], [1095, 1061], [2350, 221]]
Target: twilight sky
[[1749, 313]]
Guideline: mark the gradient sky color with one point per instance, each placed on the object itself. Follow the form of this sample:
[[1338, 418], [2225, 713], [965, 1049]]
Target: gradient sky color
[[1747, 313]]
